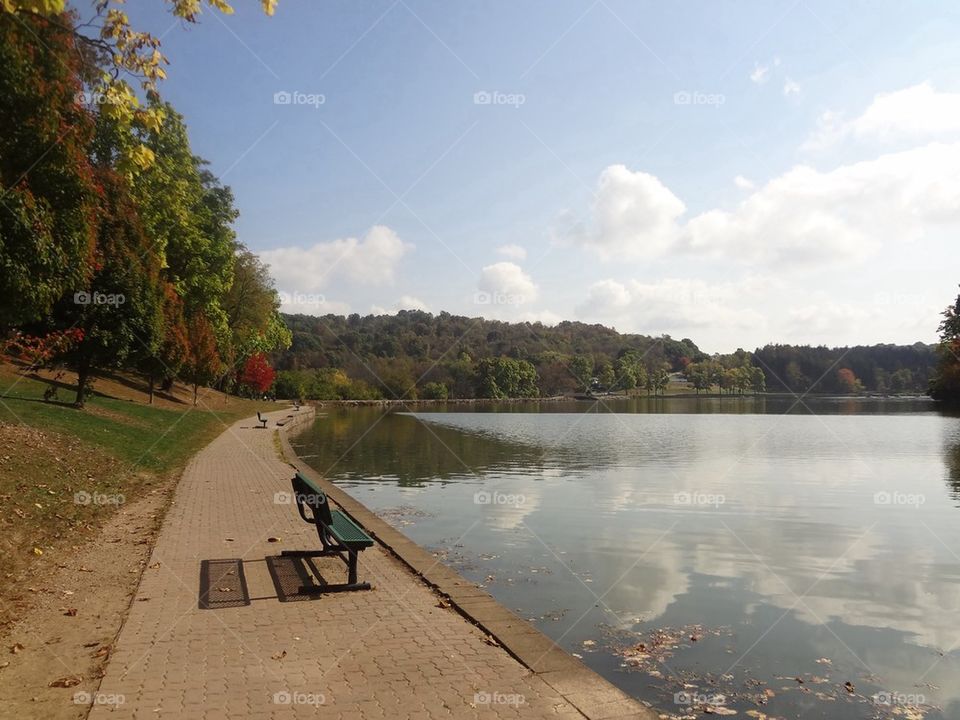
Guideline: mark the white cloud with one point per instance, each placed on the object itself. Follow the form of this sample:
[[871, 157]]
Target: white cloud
[[791, 87], [633, 214], [515, 252], [760, 74], [408, 302], [743, 183], [802, 218], [919, 112], [672, 304], [505, 283], [371, 260]]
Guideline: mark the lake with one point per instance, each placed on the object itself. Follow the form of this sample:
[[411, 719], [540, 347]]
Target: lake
[[762, 555]]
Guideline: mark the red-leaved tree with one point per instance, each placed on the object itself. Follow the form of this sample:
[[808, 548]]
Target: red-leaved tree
[[257, 373]]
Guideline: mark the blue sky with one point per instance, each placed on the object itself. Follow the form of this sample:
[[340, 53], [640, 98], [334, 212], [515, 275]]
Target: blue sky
[[738, 173]]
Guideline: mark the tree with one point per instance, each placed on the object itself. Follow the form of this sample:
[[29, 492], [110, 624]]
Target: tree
[[120, 313], [173, 347], [582, 369], [435, 391], [946, 382], [203, 365], [848, 381], [505, 377], [126, 54], [257, 374], [48, 223]]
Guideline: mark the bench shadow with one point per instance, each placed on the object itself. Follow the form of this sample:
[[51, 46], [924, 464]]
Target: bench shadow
[[223, 582], [295, 578]]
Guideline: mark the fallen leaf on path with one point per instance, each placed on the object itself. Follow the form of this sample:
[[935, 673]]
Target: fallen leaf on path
[[273, 539], [280, 655], [16, 647], [68, 681], [70, 612]]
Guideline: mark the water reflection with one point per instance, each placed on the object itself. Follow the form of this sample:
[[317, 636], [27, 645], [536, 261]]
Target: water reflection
[[829, 537]]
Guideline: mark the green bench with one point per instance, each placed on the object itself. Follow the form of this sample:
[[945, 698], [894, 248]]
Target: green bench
[[339, 535]]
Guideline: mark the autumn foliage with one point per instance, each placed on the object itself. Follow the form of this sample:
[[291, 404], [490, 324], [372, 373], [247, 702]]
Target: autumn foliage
[[257, 373]]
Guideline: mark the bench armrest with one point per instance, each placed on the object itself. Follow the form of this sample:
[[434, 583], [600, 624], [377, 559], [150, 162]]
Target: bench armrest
[[301, 508]]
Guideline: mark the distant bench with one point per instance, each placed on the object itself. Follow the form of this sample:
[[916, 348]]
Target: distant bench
[[339, 535], [261, 419]]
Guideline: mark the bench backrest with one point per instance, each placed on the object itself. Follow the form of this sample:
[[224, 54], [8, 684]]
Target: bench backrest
[[308, 494]]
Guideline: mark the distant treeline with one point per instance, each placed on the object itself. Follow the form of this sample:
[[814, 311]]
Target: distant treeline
[[873, 368], [415, 354]]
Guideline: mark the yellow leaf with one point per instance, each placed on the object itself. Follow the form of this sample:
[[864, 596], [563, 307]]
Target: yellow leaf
[[37, 551], [269, 6]]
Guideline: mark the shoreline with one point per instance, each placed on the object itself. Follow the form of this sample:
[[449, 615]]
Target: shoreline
[[617, 398], [594, 696]]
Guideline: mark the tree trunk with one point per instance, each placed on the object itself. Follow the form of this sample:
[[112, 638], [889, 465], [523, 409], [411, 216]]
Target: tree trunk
[[195, 388], [83, 379], [150, 376]]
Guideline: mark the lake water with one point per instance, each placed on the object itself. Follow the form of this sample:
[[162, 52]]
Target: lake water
[[751, 555]]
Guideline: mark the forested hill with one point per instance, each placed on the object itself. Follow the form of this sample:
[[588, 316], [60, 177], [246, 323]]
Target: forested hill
[[877, 368], [414, 347], [415, 353]]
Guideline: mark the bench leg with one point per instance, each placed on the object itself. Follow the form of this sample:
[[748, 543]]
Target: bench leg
[[352, 568]]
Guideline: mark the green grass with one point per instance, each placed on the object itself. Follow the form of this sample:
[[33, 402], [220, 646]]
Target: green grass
[[113, 447], [144, 436]]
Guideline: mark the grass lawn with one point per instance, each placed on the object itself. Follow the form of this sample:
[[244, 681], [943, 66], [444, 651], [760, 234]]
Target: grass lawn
[[63, 469]]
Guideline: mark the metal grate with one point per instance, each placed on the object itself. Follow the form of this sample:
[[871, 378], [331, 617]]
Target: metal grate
[[222, 584]]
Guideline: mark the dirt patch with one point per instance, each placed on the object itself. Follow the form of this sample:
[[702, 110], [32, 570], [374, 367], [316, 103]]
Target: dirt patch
[[68, 614]]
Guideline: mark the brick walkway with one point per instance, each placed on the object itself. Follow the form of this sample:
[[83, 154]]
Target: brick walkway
[[386, 653]]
